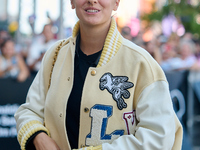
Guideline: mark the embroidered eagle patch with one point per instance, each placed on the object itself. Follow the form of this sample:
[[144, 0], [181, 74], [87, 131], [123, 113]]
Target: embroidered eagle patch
[[117, 86]]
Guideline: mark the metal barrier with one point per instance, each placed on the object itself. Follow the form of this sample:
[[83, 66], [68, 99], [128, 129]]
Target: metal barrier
[[187, 83], [193, 113]]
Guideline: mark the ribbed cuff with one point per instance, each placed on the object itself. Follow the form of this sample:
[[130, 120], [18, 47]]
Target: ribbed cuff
[[28, 130], [29, 143]]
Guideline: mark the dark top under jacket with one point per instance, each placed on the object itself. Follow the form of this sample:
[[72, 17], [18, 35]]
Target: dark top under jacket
[[81, 66]]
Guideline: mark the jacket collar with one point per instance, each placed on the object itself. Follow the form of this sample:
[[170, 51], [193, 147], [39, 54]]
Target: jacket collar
[[112, 43]]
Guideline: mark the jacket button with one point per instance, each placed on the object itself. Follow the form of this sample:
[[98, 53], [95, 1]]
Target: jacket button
[[68, 78], [86, 109], [93, 72], [60, 115]]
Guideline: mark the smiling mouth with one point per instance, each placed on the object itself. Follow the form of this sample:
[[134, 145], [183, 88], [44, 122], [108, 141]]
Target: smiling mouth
[[92, 11]]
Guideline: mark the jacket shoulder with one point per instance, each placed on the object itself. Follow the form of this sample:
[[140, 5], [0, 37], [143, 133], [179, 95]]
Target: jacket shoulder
[[143, 60], [135, 48]]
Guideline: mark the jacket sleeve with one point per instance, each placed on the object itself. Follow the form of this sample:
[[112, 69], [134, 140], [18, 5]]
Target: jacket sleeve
[[157, 127], [30, 115]]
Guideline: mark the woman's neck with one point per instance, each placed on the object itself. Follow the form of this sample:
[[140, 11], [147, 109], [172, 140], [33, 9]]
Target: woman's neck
[[93, 38]]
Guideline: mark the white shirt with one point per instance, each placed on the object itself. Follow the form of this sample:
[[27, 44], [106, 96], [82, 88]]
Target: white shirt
[[37, 48], [178, 63]]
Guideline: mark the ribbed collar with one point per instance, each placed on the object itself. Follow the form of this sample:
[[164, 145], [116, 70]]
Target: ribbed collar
[[112, 43]]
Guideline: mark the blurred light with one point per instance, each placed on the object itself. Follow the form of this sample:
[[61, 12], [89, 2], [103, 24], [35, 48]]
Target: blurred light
[[180, 31], [198, 19], [177, 1], [26, 11], [43, 9], [54, 29], [135, 26], [170, 24], [13, 7], [13, 26], [69, 15], [167, 24], [175, 25], [196, 36], [194, 2], [148, 35], [157, 28], [3, 15], [127, 10]]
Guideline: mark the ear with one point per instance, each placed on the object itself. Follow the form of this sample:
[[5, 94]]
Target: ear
[[116, 5], [72, 4]]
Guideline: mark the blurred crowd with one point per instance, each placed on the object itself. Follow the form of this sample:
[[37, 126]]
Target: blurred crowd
[[172, 53], [20, 64]]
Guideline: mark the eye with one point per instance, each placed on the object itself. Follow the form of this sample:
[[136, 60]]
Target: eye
[[104, 82]]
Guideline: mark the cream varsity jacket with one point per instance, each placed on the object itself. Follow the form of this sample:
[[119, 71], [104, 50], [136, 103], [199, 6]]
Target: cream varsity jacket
[[125, 105]]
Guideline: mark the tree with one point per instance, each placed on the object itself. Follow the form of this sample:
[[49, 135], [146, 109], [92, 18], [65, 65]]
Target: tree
[[186, 11]]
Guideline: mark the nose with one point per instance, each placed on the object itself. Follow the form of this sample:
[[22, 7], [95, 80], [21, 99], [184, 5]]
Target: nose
[[92, 1]]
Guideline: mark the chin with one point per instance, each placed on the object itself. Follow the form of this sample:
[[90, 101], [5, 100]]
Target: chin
[[95, 22]]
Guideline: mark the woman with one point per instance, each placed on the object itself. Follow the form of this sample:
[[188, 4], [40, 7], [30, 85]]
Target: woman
[[104, 92], [38, 47], [185, 61], [11, 64]]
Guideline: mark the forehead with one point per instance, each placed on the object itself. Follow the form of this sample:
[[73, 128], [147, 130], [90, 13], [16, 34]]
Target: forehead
[[9, 43]]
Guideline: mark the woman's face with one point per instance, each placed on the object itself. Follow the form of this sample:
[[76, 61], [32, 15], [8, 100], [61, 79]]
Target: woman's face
[[9, 49], [185, 51], [48, 33], [94, 12]]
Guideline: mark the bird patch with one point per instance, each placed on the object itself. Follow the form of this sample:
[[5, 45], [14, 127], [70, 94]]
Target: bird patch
[[117, 86]]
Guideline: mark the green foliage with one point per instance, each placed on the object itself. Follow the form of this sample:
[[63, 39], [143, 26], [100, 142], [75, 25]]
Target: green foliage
[[183, 11]]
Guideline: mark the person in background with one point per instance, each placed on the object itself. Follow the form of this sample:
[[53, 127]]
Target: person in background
[[98, 91], [196, 66], [154, 50], [173, 42], [126, 33], [11, 64], [3, 35], [169, 53], [138, 40], [186, 55], [197, 52], [183, 60], [38, 48]]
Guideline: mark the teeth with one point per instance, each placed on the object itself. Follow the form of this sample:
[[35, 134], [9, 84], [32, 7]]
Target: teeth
[[92, 11]]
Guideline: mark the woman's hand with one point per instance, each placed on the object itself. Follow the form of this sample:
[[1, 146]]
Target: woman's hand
[[43, 142]]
